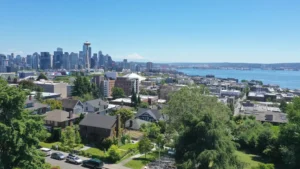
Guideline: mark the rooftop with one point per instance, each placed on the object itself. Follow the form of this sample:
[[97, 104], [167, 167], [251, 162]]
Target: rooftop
[[59, 116], [99, 121]]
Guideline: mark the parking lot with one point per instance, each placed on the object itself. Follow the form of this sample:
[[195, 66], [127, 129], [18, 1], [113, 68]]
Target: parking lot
[[64, 165]]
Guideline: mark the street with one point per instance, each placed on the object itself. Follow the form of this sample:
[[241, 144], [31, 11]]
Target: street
[[64, 165]]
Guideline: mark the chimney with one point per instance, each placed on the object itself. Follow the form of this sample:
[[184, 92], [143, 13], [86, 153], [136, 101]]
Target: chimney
[[70, 114], [99, 103]]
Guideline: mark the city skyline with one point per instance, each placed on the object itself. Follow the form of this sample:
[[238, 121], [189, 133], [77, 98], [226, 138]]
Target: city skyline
[[168, 31]]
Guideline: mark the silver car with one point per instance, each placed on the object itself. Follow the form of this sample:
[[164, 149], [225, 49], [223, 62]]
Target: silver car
[[73, 159]]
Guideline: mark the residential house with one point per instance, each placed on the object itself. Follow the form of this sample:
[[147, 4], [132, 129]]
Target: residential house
[[59, 118], [135, 124], [71, 105], [35, 107], [150, 115], [96, 105], [96, 128]]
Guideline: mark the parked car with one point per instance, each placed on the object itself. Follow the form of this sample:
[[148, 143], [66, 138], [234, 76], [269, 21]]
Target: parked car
[[71, 158], [58, 156], [46, 151], [93, 163]]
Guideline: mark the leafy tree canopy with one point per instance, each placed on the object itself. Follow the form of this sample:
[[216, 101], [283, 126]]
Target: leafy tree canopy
[[42, 76], [118, 93], [20, 131]]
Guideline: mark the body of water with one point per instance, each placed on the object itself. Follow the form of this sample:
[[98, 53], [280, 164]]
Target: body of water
[[285, 79]]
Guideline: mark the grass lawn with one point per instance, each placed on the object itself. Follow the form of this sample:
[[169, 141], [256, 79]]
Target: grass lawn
[[138, 163], [128, 146], [251, 160], [48, 145], [95, 151]]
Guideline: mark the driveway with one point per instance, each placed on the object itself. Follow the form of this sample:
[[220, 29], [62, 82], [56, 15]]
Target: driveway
[[64, 165]]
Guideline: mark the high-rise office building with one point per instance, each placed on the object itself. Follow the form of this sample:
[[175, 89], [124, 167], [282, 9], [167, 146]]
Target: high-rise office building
[[101, 59], [81, 59], [149, 66], [66, 60], [58, 59], [29, 61], [2, 63], [109, 62], [125, 64], [18, 60], [85, 48], [94, 61], [73, 60], [36, 60], [45, 62]]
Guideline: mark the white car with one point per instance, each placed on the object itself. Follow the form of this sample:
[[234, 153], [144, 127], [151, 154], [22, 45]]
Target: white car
[[73, 159], [47, 151]]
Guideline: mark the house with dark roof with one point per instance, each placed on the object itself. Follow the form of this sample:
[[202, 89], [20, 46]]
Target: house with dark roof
[[97, 105], [72, 105], [35, 107], [150, 115], [135, 124], [95, 128], [59, 118]]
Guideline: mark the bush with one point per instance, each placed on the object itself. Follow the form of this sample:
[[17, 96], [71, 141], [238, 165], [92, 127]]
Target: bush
[[114, 153]]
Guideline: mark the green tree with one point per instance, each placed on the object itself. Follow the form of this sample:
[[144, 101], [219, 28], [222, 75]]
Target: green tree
[[125, 114], [144, 105], [38, 95], [77, 135], [84, 97], [68, 137], [114, 153], [20, 131], [117, 93], [27, 84], [264, 166], [54, 104], [283, 106], [139, 100], [151, 130], [42, 76], [78, 87], [144, 92], [81, 116], [145, 146], [205, 140], [96, 91]]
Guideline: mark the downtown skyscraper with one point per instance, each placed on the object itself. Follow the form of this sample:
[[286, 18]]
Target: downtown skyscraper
[[45, 62], [58, 59]]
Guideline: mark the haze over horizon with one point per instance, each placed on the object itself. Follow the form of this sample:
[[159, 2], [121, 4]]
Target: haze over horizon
[[158, 31]]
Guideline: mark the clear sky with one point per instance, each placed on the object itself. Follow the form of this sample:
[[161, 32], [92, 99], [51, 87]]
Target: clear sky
[[265, 31]]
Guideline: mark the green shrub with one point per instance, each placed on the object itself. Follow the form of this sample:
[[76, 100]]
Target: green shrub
[[114, 153]]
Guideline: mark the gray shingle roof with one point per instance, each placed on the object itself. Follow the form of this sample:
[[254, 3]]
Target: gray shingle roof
[[97, 103], [99, 121], [69, 103], [59, 116], [154, 113], [37, 105], [136, 123]]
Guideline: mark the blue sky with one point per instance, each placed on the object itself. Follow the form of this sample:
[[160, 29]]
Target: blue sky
[[265, 31]]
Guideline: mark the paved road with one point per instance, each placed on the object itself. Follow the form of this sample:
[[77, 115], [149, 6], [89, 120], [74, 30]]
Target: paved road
[[65, 165]]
